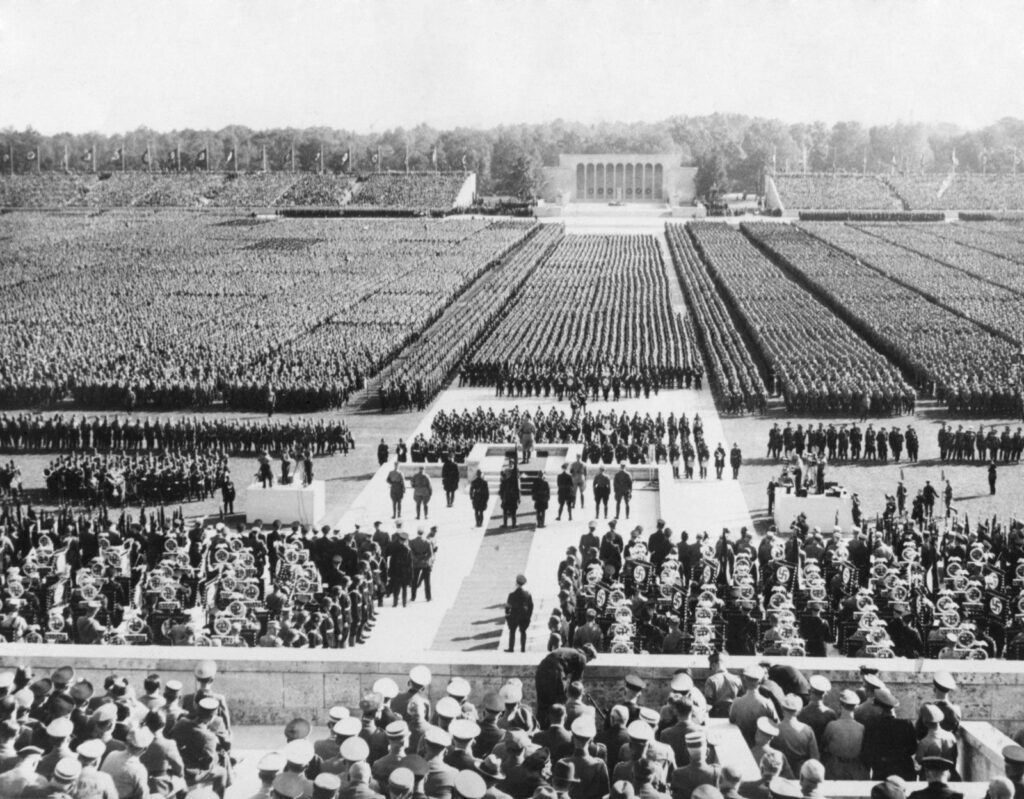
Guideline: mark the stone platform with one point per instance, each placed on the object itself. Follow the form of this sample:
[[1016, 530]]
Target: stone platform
[[286, 503]]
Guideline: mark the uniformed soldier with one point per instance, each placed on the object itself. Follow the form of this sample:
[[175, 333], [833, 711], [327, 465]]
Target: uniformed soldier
[[842, 741], [751, 705], [686, 779], [591, 772], [1013, 766], [418, 684], [721, 687], [889, 742], [936, 772], [440, 778], [816, 714]]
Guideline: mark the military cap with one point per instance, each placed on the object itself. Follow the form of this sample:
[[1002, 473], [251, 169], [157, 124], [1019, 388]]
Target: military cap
[[470, 785], [931, 713], [60, 727], [416, 764], [694, 740], [93, 749], [944, 681], [784, 789], [639, 730], [435, 736], [820, 684], [635, 682], [41, 687], [937, 762], [209, 703], [205, 670], [25, 751], [328, 782], [396, 729], [458, 688], [402, 778], [894, 787], [767, 726], [849, 698], [584, 727], [271, 762], [354, 749], [105, 713], [139, 737], [706, 792], [370, 703], [338, 712], [1011, 754], [873, 681], [753, 672], [511, 693], [520, 579], [792, 702], [173, 686], [464, 729], [419, 675], [299, 752], [347, 727], [448, 708], [67, 769], [885, 698], [649, 715], [490, 768], [538, 759], [23, 698], [289, 785]]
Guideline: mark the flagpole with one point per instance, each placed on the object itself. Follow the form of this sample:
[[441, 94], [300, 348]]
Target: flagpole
[[39, 167], [10, 157], [93, 158]]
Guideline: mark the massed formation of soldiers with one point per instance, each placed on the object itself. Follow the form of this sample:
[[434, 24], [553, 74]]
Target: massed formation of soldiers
[[845, 442], [29, 432], [899, 587], [148, 478], [608, 437], [88, 578], [968, 445], [603, 383]]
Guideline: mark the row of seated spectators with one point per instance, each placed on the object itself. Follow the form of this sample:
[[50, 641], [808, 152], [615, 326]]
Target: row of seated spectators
[[437, 190], [835, 191], [962, 191], [428, 190]]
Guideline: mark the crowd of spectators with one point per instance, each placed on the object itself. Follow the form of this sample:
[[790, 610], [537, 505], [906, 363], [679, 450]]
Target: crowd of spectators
[[966, 191], [421, 190], [418, 191], [568, 319], [949, 356], [172, 310], [817, 362], [836, 190]]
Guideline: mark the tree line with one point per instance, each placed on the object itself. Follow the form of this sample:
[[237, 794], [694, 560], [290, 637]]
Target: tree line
[[731, 151]]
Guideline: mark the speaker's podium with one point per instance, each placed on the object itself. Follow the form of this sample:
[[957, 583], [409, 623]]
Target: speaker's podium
[[286, 503]]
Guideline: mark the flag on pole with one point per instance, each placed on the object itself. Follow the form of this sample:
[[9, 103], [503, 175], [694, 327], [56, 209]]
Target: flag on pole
[[465, 162], [145, 156], [230, 160], [433, 157], [406, 157], [118, 155], [774, 158], [201, 157], [345, 156], [264, 159], [954, 159], [64, 164], [87, 156]]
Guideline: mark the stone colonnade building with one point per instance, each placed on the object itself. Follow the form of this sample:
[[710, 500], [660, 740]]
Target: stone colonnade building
[[621, 177]]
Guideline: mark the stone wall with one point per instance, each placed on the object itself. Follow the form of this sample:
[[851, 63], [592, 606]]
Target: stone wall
[[271, 686]]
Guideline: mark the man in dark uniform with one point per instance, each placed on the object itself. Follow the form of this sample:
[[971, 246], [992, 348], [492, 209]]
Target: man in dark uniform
[[559, 668], [936, 773], [479, 495], [735, 460], [719, 461], [518, 612], [623, 485], [602, 491], [541, 493], [566, 491]]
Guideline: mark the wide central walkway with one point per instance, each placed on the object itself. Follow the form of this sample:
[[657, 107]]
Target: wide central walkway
[[476, 567]]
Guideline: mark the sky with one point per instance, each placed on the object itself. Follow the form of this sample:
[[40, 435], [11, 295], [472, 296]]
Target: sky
[[369, 65]]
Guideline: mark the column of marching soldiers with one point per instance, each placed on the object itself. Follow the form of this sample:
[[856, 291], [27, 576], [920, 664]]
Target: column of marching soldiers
[[62, 736]]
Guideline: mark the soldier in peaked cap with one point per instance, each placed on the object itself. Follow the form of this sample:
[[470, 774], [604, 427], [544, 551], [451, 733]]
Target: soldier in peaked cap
[[460, 753], [418, 685], [205, 671], [200, 747], [889, 742], [397, 733], [440, 777], [936, 771], [592, 772], [816, 714], [842, 741], [1013, 766], [943, 685]]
